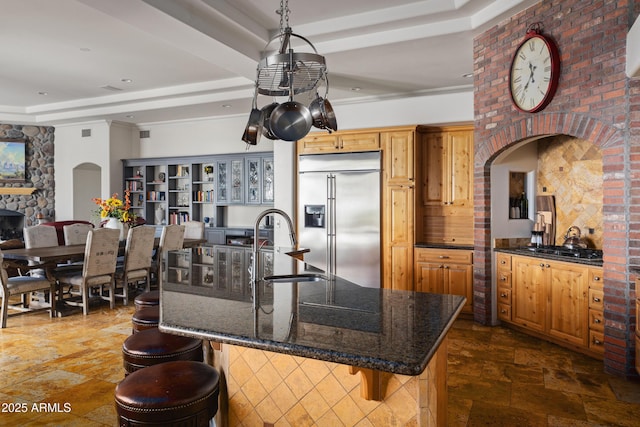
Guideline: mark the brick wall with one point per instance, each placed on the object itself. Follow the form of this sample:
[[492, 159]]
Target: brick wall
[[595, 101]]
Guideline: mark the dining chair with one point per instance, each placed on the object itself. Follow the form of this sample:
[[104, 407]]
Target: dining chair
[[39, 236], [136, 265], [193, 229], [23, 286], [171, 239], [76, 234], [98, 269]]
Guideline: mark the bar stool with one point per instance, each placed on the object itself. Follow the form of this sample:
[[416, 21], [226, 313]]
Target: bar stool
[[150, 347], [147, 299], [146, 318], [177, 393]]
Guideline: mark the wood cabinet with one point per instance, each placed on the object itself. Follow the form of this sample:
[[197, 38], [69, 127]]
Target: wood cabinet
[[178, 189], [446, 185], [445, 271], [551, 298], [349, 141], [398, 201], [596, 311]]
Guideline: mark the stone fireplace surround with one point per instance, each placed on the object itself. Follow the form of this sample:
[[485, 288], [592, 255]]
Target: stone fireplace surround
[[39, 173], [595, 101]]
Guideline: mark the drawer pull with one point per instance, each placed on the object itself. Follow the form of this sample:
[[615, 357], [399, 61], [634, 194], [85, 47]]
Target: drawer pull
[[503, 295], [597, 321], [443, 257], [542, 265], [503, 262], [503, 278], [503, 311], [596, 299], [597, 341], [596, 278]]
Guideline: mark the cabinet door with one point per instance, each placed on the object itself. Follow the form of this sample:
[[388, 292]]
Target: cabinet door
[[398, 157], [254, 181], [568, 303], [459, 174], [459, 281], [433, 161], [267, 180], [236, 190], [222, 181], [528, 297], [429, 277], [315, 144], [361, 141], [398, 237]]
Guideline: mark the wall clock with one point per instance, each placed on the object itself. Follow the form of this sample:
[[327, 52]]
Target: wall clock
[[535, 71]]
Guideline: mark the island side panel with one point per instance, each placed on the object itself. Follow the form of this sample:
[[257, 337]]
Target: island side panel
[[265, 388]]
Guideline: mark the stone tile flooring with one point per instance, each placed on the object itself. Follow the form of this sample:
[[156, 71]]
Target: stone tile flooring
[[63, 371]]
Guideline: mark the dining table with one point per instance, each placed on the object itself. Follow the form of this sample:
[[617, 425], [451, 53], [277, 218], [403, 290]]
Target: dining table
[[51, 258]]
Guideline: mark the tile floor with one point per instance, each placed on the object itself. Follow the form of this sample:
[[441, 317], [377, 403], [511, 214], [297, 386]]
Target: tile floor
[[63, 371]]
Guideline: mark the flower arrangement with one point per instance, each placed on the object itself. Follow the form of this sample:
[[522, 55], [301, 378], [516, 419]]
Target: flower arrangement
[[113, 207]]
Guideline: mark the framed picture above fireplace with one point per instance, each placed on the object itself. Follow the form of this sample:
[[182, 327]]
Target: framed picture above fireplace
[[12, 160]]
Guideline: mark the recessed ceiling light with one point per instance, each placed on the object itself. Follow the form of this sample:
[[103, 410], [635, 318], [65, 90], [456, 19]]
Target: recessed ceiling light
[[85, 49], [356, 89], [226, 105], [43, 93], [129, 116], [467, 75], [126, 80]]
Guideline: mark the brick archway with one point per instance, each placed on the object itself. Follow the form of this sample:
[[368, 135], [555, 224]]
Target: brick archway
[[618, 294]]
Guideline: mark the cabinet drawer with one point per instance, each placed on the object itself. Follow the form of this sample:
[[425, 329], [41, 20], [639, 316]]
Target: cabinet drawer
[[596, 320], [504, 261], [359, 141], [504, 312], [504, 278], [596, 297], [456, 256], [596, 341], [504, 295], [637, 354], [595, 278]]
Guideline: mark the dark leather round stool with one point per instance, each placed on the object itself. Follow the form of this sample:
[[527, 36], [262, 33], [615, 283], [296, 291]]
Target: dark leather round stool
[[146, 299], [150, 347], [178, 393], [146, 318]]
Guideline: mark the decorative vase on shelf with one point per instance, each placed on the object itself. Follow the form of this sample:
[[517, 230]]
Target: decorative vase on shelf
[[117, 225]]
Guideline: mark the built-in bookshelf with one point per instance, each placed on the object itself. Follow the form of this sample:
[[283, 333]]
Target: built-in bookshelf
[[172, 190]]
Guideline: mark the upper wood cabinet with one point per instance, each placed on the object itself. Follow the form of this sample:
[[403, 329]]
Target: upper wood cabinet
[[447, 160], [339, 142], [445, 185]]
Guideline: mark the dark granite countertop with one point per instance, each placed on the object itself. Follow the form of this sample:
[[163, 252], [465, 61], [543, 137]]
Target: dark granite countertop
[[533, 253], [328, 319]]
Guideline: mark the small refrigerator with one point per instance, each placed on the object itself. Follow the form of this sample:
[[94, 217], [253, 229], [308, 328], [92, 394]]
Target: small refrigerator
[[338, 214]]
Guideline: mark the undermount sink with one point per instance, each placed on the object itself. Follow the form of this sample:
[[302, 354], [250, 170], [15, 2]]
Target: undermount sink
[[305, 277]]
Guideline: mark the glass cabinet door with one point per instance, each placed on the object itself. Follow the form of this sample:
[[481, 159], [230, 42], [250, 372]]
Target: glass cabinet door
[[253, 181], [237, 179], [267, 181], [222, 196]]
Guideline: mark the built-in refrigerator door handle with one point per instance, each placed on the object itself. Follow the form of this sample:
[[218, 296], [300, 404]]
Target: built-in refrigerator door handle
[[331, 223]]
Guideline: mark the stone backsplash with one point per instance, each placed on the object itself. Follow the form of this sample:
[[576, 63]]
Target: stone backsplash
[[40, 170], [571, 169]]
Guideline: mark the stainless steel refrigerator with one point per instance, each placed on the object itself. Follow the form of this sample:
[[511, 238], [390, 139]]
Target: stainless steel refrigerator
[[339, 214]]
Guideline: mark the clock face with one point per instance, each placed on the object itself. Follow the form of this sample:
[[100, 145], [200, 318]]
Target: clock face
[[534, 74]]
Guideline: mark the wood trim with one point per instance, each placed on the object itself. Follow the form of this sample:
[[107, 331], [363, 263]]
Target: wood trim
[[17, 190]]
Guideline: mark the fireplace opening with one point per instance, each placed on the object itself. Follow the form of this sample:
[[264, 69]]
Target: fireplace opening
[[11, 224]]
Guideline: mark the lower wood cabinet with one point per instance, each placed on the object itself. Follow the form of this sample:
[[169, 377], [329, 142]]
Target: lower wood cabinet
[[445, 271], [554, 299]]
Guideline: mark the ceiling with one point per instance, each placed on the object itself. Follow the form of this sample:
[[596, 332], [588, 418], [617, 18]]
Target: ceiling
[[144, 61]]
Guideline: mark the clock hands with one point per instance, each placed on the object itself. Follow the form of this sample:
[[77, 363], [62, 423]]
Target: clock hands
[[532, 68]]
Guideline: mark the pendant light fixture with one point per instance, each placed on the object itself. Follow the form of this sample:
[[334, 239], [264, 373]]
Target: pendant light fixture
[[289, 73]]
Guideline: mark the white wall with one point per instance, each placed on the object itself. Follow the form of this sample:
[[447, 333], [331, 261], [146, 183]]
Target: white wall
[[105, 147]]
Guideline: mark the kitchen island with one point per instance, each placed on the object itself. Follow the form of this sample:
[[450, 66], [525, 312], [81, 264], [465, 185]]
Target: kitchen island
[[291, 348]]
